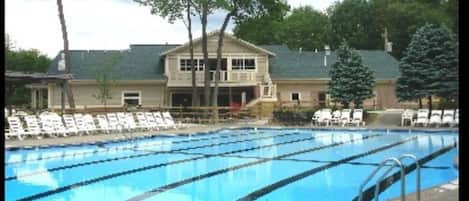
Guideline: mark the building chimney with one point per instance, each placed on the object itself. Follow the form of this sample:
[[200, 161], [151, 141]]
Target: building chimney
[[387, 44], [327, 51]]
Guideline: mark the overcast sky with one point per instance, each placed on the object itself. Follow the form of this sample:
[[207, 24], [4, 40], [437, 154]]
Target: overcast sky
[[101, 24]]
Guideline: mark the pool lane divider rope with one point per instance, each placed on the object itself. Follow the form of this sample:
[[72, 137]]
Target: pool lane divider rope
[[149, 153], [267, 189], [368, 194], [313, 161], [101, 145], [118, 174], [167, 187]]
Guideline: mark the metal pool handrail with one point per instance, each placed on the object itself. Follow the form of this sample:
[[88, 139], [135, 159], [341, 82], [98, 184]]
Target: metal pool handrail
[[395, 161], [418, 171]]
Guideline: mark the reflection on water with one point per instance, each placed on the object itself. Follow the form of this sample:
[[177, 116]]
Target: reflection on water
[[43, 179]]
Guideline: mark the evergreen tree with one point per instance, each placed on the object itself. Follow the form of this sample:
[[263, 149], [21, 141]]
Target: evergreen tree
[[429, 66], [351, 80]]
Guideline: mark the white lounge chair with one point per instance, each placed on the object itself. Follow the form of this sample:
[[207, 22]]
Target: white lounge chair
[[325, 117], [345, 117], [422, 117], [32, 125], [169, 119], [70, 124], [142, 121], [104, 124], [151, 121], [160, 121], [58, 125], [131, 122], [114, 123], [448, 117], [407, 115], [435, 118], [123, 121], [357, 117], [336, 117], [16, 128], [316, 115], [47, 125], [90, 123]]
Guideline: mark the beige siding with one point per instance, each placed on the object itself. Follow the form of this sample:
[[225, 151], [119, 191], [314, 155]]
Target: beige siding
[[385, 98], [231, 49], [151, 94]]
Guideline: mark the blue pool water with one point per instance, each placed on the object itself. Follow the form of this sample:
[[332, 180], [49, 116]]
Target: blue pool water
[[231, 164]]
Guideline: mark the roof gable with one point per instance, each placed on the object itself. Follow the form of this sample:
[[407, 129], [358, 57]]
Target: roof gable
[[214, 36]]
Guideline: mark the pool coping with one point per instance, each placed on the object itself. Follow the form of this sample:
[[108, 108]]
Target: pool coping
[[189, 129]]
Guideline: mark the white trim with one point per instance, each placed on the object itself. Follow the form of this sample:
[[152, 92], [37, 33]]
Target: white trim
[[130, 91], [49, 96], [291, 95]]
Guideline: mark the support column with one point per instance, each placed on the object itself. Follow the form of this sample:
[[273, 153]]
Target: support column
[[230, 95], [33, 98], [40, 98]]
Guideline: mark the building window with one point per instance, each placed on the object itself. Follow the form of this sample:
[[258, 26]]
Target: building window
[[295, 96], [131, 98], [185, 64], [243, 64]]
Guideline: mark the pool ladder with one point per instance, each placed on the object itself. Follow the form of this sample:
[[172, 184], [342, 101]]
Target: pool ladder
[[396, 161]]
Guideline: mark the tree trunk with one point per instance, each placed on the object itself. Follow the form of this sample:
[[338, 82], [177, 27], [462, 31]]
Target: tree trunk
[[429, 106], [66, 85], [205, 53], [217, 72], [420, 103], [195, 95]]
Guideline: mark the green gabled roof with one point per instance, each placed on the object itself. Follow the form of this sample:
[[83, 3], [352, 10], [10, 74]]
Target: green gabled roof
[[289, 64], [140, 62], [143, 62]]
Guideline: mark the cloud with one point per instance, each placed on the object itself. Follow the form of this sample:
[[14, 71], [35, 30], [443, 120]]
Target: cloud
[[103, 24]]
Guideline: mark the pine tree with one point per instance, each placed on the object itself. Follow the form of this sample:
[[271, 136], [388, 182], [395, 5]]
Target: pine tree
[[351, 80], [429, 66]]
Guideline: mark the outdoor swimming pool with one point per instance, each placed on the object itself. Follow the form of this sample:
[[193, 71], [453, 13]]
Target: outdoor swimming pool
[[230, 164]]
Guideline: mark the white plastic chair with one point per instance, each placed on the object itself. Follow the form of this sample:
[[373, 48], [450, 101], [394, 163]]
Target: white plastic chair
[[47, 124], [345, 117], [16, 128], [316, 115], [58, 125], [169, 119], [336, 117], [90, 123], [159, 120], [151, 121], [435, 118], [422, 117], [448, 117], [32, 125], [70, 124], [325, 117], [104, 124], [407, 115], [357, 117], [114, 123], [142, 121]]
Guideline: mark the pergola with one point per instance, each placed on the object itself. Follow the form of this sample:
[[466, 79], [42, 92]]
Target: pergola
[[34, 81]]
